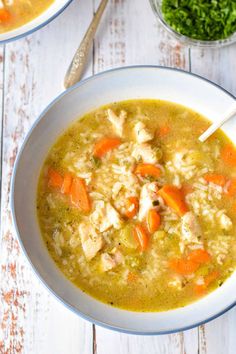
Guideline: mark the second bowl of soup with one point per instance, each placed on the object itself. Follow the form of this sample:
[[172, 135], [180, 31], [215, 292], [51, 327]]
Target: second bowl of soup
[[19, 18]]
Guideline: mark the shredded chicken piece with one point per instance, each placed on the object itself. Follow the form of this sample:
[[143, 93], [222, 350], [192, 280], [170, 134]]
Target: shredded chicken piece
[[176, 282], [105, 216], [91, 241], [110, 261], [145, 152], [117, 255], [107, 262], [117, 121], [149, 199], [191, 229], [142, 134]]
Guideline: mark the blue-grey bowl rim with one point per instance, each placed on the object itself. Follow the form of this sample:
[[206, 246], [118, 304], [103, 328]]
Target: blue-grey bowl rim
[[29, 32]]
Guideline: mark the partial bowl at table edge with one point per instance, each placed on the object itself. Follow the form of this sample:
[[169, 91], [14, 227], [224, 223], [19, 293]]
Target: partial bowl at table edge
[[31, 26]]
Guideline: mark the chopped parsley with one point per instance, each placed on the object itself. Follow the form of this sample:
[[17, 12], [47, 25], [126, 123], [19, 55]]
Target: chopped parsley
[[201, 19], [96, 161]]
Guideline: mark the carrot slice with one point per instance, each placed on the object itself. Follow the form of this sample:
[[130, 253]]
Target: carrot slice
[[174, 198], [153, 221], [211, 277], [190, 264], [141, 237], [164, 130], [104, 145], [186, 189], [183, 266], [54, 178], [79, 195], [199, 256], [228, 155], [132, 207], [5, 15], [200, 290], [146, 169], [231, 191], [220, 180], [66, 185]]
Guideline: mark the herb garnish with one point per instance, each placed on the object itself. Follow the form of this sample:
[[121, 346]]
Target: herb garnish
[[201, 19], [96, 161]]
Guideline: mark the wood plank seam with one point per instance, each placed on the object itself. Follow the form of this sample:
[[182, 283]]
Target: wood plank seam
[[94, 340], [1, 158], [1, 131]]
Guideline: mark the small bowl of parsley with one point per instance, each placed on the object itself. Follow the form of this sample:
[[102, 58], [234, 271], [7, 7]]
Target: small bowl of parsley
[[210, 23]]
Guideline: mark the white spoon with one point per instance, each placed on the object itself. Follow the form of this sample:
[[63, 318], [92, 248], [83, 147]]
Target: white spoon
[[230, 113]]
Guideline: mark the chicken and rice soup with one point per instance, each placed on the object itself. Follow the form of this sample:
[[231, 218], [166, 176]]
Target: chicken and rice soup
[[15, 13], [135, 210]]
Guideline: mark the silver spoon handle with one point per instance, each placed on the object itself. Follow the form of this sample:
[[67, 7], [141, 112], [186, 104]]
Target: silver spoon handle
[[79, 62]]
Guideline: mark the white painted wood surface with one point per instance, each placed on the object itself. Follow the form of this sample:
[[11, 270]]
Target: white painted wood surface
[[31, 75]]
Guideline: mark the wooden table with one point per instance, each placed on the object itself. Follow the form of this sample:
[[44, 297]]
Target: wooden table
[[31, 75]]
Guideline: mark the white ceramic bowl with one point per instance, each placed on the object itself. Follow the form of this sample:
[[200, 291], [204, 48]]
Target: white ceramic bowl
[[47, 16], [116, 85]]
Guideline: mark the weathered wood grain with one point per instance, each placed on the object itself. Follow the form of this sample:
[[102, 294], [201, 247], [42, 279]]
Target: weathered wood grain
[[218, 336], [2, 48], [179, 343], [31, 320], [218, 65], [130, 35]]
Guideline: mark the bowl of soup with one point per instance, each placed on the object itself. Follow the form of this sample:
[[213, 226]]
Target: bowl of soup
[[128, 219], [22, 17]]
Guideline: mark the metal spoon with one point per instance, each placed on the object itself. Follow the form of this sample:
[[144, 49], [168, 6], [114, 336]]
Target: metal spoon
[[227, 116], [79, 62]]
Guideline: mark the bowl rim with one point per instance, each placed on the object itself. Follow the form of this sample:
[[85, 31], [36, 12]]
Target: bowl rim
[[12, 206], [36, 28]]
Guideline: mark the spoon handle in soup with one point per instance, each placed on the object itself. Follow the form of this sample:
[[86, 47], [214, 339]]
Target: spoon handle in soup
[[228, 115], [79, 62]]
